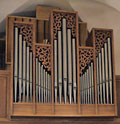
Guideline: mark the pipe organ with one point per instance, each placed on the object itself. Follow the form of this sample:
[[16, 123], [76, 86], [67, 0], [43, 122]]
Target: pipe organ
[[60, 75]]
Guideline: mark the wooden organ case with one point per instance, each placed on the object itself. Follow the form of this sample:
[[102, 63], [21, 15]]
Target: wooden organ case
[[56, 75]]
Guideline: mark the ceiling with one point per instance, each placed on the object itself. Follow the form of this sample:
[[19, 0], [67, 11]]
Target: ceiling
[[97, 13]]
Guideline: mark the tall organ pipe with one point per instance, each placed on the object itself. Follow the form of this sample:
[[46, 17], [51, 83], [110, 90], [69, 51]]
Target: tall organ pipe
[[55, 69], [37, 79], [39, 82], [100, 78], [65, 59], [60, 65], [110, 71], [31, 70], [74, 71], [106, 73], [69, 66], [20, 67], [97, 67], [24, 69], [16, 64], [103, 75]]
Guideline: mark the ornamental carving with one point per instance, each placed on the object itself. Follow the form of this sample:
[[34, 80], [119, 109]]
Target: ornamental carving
[[100, 38], [26, 30], [44, 55], [57, 22], [85, 57]]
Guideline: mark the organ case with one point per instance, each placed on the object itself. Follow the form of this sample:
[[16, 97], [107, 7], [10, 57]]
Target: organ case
[[56, 76]]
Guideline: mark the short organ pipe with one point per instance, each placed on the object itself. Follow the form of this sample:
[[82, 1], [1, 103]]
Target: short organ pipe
[[43, 89], [87, 85]]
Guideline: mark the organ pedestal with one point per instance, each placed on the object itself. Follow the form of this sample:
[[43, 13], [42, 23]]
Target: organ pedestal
[[53, 74]]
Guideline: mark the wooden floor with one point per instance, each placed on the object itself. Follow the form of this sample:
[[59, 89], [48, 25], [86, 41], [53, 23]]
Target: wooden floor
[[48, 120]]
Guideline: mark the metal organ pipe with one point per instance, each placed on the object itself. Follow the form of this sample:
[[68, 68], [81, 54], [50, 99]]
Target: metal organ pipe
[[69, 67], [39, 82], [37, 79], [20, 67], [44, 85], [42, 79], [100, 78], [60, 65], [103, 76], [92, 80], [110, 70], [24, 69], [74, 71], [65, 60], [28, 72], [16, 65], [106, 73], [31, 71], [98, 85], [55, 69]]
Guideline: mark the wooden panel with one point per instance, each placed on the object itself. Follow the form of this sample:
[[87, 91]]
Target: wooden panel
[[43, 12], [83, 33], [22, 109], [4, 93], [2, 53], [40, 31], [3, 97], [88, 109], [46, 29], [118, 93], [106, 110], [44, 109], [8, 39], [66, 109]]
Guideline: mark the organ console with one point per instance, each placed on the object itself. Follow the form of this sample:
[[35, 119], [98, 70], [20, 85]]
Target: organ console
[[58, 74]]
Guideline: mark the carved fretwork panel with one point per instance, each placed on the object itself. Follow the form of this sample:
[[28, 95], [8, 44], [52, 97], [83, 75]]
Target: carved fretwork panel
[[85, 57], [26, 30], [44, 55], [71, 22], [100, 38]]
